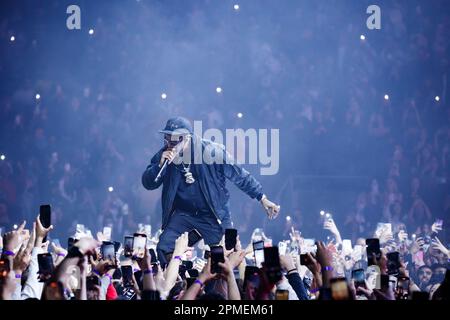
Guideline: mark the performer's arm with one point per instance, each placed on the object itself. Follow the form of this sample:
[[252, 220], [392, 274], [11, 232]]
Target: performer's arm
[[149, 175]]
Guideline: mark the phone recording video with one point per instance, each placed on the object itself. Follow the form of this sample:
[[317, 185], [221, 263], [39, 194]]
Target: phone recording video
[[373, 251], [216, 257], [272, 264], [193, 237], [46, 267], [128, 246], [127, 276], [339, 289], [258, 250], [230, 239], [393, 263], [45, 212], [139, 243], [402, 288], [359, 277], [108, 252]]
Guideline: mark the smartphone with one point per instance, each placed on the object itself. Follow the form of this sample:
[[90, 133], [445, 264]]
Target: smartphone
[[281, 294], [393, 262], [339, 289], [303, 259], [230, 238], [187, 264], [258, 250], [251, 274], [373, 250], [127, 276], [193, 273], [216, 257], [139, 242], [117, 245], [272, 264], [359, 277], [153, 257], [108, 252], [207, 254], [107, 233], [45, 216], [282, 248], [45, 262], [193, 237], [92, 282], [347, 246], [128, 246], [402, 288]]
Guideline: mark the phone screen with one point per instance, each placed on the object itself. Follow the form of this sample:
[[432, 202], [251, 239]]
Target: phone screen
[[251, 275], [258, 249], [127, 275], [216, 257], [107, 233], [402, 289], [282, 295], [358, 277], [139, 242], [153, 258], [108, 252], [128, 246], [373, 250], [45, 212], [393, 262], [339, 289], [230, 238], [193, 237], [272, 264], [45, 262]]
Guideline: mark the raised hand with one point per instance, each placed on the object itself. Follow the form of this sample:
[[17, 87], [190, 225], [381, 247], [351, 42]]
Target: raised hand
[[271, 208], [181, 245], [12, 239], [437, 245]]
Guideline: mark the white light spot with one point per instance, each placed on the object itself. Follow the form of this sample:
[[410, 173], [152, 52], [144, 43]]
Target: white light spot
[[38, 96], [288, 218], [15, 226], [236, 7], [218, 89], [91, 31], [362, 37], [110, 189], [240, 115], [327, 215], [322, 212], [12, 38], [386, 97], [2, 157], [163, 96], [437, 98]]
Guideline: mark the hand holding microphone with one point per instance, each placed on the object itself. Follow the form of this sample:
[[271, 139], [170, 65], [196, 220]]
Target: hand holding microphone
[[168, 155]]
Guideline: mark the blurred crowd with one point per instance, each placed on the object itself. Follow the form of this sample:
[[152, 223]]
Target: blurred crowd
[[84, 142]]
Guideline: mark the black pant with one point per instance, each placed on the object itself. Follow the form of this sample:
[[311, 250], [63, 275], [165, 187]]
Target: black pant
[[182, 221]]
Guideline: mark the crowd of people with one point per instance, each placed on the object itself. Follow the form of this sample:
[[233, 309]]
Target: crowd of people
[[398, 267]]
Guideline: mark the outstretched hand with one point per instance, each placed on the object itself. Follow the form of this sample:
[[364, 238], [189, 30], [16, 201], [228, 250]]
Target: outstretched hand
[[271, 208]]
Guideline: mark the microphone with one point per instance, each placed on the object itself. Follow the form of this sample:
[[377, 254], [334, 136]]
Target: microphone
[[178, 148]]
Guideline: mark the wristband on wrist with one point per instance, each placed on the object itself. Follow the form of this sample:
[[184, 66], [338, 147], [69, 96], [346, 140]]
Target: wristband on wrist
[[61, 254], [148, 271], [96, 272], [18, 276], [8, 253], [292, 270], [74, 252], [178, 257], [199, 282], [327, 268], [109, 276], [314, 290]]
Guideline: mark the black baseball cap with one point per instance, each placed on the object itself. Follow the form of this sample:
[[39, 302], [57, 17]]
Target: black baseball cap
[[177, 125]]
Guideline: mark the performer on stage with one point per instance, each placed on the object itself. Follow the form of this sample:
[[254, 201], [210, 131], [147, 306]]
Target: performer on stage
[[194, 195]]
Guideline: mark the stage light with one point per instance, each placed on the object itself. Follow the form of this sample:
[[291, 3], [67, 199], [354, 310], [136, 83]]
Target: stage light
[[91, 31], [413, 236], [288, 218], [327, 215], [386, 97], [240, 115], [236, 7], [437, 98], [38, 96], [12, 38], [2, 157], [110, 189], [362, 37], [218, 89], [15, 226], [322, 212], [163, 96]]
